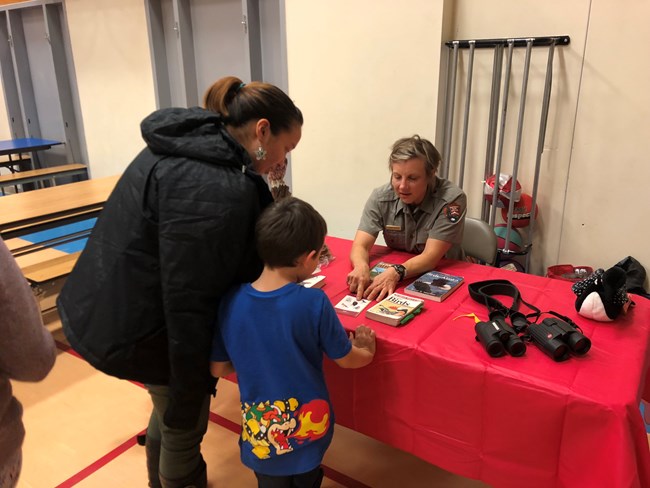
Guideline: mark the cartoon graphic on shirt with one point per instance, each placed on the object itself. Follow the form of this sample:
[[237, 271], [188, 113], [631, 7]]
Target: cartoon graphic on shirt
[[273, 427]]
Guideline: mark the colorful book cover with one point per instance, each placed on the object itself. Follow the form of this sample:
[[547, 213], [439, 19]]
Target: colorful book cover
[[350, 305], [379, 268], [434, 285], [395, 309]]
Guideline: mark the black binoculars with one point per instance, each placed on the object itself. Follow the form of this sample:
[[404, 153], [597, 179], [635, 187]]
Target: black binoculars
[[558, 339], [498, 337]]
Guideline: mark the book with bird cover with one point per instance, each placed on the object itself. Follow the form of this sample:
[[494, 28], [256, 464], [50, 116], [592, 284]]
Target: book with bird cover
[[395, 309]]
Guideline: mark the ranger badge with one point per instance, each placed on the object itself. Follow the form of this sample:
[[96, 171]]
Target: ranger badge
[[452, 212]]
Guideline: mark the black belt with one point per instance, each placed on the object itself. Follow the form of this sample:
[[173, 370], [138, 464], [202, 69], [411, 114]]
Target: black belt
[[483, 292]]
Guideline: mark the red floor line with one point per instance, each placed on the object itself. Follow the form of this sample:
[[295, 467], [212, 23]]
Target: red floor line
[[331, 473], [100, 463], [233, 427], [67, 348], [343, 479]]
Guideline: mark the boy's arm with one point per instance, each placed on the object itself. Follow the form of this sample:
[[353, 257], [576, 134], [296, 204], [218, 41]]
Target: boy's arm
[[221, 368], [363, 349]]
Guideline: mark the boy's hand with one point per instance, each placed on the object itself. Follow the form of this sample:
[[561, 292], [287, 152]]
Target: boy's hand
[[364, 337]]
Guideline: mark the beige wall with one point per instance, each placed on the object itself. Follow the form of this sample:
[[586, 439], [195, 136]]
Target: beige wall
[[5, 133], [364, 74], [367, 72], [113, 66], [607, 202]]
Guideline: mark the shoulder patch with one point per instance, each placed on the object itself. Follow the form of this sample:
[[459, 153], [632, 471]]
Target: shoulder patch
[[452, 212]]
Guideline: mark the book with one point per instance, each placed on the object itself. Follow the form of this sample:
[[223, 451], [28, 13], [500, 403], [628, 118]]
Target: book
[[395, 309], [313, 282], [434, 285], [379, 268], [350, 305]]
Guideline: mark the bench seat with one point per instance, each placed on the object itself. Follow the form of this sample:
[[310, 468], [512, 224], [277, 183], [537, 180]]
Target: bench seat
[[50, 269], [34, 175], [14, 165], [47, 277]]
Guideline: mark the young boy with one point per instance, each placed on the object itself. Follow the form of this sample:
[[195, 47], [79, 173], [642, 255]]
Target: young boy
[[273, 333]]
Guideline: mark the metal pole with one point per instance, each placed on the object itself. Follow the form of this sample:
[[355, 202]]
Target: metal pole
[[519, 42], [468, 97], [449, 122], [502, 130], [540, 143], [520, 124], [494, 103]]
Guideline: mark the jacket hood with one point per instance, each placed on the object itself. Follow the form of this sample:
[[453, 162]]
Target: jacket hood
[[193, 133]]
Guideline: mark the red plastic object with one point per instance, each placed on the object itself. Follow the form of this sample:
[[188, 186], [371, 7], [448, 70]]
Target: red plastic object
[[568, 272]]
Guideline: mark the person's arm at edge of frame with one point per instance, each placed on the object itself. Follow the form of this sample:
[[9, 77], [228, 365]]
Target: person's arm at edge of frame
[[22, 324], [363, 348], [386, 283], [359, 277]]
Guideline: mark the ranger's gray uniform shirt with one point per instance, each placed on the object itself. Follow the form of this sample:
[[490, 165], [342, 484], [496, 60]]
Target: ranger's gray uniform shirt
[[408, 230]]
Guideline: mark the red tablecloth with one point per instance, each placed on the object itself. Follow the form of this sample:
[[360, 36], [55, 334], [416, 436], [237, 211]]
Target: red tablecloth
[[433, 391]]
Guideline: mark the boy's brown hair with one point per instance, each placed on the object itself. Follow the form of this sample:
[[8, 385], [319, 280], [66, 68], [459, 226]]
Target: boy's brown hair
[[288, 229]]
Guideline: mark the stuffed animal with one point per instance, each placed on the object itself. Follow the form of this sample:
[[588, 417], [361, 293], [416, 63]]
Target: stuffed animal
[[602, 296]]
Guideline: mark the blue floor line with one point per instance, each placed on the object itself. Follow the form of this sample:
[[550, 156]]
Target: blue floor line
[[71, 247], [68, 247]]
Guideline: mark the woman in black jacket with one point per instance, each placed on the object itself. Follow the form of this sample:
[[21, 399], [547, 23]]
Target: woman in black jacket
[[174, 235]]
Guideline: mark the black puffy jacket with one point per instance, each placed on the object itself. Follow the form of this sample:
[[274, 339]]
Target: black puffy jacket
[[175, 234]]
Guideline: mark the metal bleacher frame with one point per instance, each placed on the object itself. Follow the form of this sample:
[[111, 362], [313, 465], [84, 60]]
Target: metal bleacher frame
[[497, 121]]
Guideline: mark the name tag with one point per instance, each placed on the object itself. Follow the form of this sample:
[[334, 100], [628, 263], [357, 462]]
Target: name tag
[[393, 227]]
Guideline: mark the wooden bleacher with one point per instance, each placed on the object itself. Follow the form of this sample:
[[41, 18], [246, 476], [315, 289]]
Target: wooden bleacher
[[36, 175], [47, 268], [51, 269], [36, 210], [47, 274]]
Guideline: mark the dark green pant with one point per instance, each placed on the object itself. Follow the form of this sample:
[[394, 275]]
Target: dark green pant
[[180, 451]]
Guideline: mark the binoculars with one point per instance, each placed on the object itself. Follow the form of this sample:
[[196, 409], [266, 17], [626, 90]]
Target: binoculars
[[558, 339], [498, 337]]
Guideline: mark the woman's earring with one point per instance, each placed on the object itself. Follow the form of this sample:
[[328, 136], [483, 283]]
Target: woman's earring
[[260, 153]]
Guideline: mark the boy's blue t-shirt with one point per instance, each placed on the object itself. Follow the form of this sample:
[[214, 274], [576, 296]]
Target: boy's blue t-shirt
[[276, 342]]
